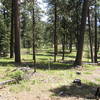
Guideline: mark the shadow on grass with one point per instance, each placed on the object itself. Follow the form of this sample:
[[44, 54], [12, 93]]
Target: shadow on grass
[[6, 64], [86, 91], [41, 65], [51, 55], [55, 66], [44, 55]]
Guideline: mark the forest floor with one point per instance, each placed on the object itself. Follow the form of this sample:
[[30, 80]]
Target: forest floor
[[54, 85], [52, 81]]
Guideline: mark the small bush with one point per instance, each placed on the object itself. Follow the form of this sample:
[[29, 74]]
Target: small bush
[[18, 75]]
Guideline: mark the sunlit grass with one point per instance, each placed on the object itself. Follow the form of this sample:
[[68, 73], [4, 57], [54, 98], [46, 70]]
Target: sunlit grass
[[97, 79], [58, 73], [87, 73], [22, 86]]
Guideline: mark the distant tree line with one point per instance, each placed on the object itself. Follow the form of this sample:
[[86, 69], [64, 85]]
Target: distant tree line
[[71, 23]]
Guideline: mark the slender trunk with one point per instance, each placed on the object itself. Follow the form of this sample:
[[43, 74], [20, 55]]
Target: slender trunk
[[78, 60], [66, 41], [17, 31], [90, 37], [95, 50], [99, 38], [77, 26], [97, 47], [4, 13], [12, 34], [55, 33], [34, 56], [70, 44], [63, 47]]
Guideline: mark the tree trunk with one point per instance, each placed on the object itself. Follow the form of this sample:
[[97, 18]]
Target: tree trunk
[[55, 33], [4, 13], [12, 34], [17, 30], [77, 25], [90, 37], [34, 56], [78, 60], [70, 44], [63, 47], [96, 47]]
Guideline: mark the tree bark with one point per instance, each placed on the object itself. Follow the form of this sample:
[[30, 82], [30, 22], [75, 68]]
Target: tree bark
[[90, 36], [63, 47], [78, 60], [17, 30], [12, 33], [77, 25], [55, 33], [34, 56], [96, 45], [70, 44]]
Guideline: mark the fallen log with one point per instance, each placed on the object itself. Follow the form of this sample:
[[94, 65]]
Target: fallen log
[[8, 82], [24, 69], [27, 75]]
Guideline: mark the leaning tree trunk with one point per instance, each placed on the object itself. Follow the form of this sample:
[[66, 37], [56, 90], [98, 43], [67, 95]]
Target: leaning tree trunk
[[96, 47], [55, 33], [34, 56], [16, 30], [90, 36], [12, 33], [78, 60]]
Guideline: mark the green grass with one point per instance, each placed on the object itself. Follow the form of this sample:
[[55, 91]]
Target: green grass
[[88, 73], [90, 67], [22, 86], [58, 74], [97, 79], [89, 83]]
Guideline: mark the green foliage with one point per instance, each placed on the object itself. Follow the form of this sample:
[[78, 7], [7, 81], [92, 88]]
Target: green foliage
[[4, 26], [17, 75], [4, 39]]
